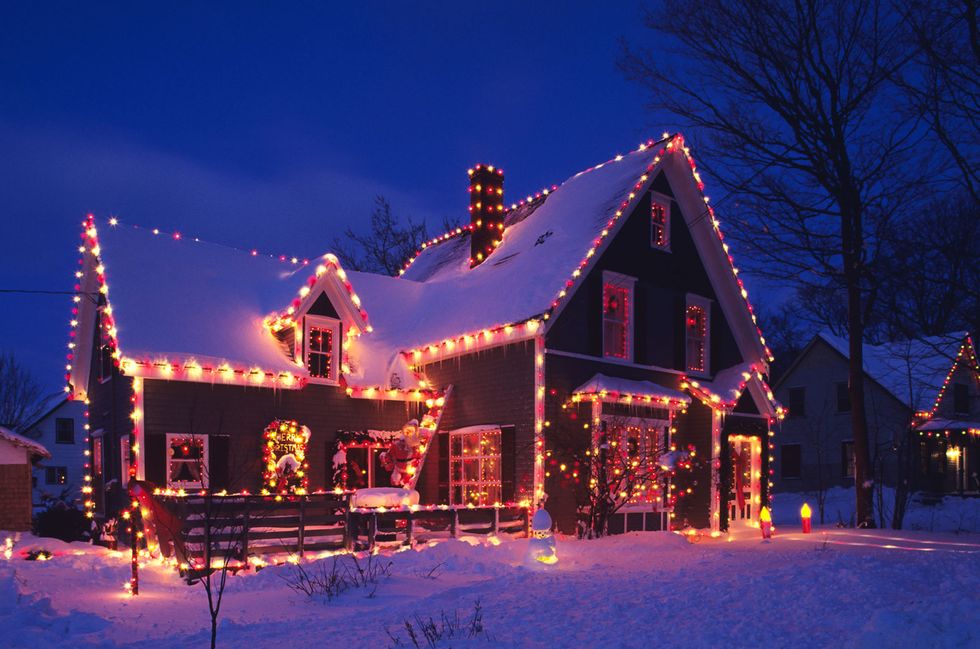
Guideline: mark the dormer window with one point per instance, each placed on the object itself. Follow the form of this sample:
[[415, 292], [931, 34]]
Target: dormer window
[[697, 325], [660, 222], [617, 316], [322, 346]]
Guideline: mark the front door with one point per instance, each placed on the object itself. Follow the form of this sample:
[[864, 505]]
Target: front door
[[744, 497]]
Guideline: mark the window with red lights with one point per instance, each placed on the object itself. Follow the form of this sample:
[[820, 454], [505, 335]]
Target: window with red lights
[[320, 357], [660, 223], [187, 461], [696, 329], [322, 348], [616, 310]]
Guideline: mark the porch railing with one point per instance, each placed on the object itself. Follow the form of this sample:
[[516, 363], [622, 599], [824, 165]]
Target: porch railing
[[238, 527]]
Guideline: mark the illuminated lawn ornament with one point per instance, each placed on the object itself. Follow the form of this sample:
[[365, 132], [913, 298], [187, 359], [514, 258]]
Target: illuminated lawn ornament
[[805, 515], [765, 523], [541, 546]]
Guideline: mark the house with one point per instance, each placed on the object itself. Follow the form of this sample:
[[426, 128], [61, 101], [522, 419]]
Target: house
[[506, 363], [920, 394], [17, 455], [61, 430]]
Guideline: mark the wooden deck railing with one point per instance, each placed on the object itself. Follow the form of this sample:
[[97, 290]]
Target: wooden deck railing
[[237, 527]]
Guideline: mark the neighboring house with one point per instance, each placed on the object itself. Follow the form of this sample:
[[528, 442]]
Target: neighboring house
[[922, 390], [17, 455], [604, 310], [62, 431]]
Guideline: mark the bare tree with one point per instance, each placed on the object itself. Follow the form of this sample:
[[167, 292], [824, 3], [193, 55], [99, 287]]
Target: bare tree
[[931, 274], [794, 106], [387, 244], [943, 85], [22, 399], [623, 463]]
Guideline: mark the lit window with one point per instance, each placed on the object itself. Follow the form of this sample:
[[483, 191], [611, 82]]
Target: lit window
[[187, 461], [617, 312], [364, 467], [322, 348], [56, 475], [696, 327], [660, 223], [474, 466], [632, 448], [97, 456]]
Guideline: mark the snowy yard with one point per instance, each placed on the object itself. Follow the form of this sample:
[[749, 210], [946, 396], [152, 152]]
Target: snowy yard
[[834, 587]]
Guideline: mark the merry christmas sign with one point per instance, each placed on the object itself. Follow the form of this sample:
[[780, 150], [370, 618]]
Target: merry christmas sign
[[286, 468]]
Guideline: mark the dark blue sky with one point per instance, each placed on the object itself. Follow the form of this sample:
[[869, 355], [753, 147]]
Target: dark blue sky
[[275, 125]]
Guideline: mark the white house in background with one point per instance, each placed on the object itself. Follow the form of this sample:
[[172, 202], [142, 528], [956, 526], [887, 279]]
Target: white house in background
[[925, 391], [61, 430]]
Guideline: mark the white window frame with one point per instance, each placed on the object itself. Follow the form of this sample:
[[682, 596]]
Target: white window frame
[[662, 426], [205, 462], [705, 305], [628, 283], [663, 201], [479, 483], [322, 322]]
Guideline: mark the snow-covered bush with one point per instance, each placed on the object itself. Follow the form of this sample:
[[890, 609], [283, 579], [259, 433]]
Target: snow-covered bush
[[60, 519]]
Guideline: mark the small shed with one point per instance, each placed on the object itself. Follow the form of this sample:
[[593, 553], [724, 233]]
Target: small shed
[[17, 455]]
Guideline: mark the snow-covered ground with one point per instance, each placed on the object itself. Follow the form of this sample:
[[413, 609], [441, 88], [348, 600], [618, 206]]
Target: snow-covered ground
[[831, 588], [951, 514]]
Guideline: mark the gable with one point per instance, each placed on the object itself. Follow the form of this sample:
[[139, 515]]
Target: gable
[[324, 307], [664, 280]]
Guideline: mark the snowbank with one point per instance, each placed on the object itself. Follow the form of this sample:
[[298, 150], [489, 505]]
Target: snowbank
[[385, 497]]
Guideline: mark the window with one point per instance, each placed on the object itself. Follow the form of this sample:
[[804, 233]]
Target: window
[[961, 398], [97, 456], [791, 463], [797, 402], [697, 325], [64, 430], [56, 475], [660, 222], [843, 398], [187, 461], [474, 466], [322, 348], [847, 459], [364, 466], [632, 448], [617, 316]]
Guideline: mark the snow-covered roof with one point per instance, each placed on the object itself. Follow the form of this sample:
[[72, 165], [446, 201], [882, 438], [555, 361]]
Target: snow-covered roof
[[189, 299], [616, 388], [177, 299], [913, 371], [441, 297], [32, 447]]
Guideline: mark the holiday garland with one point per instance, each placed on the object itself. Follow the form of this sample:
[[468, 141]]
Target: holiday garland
[[284, 457]]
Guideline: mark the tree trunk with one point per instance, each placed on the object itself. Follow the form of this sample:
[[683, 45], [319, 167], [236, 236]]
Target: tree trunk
[[863, 479]]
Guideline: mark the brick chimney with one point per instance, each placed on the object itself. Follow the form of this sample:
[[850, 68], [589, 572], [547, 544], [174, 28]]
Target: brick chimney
[[486, 211]]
